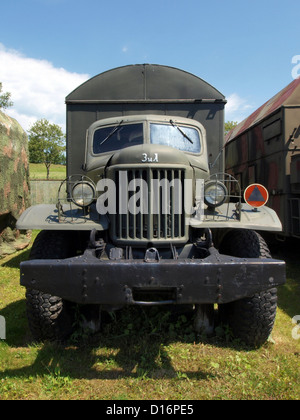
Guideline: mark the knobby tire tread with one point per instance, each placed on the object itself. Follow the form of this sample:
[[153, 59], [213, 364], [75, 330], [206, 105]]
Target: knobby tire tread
[[251, 319], [49, 317]]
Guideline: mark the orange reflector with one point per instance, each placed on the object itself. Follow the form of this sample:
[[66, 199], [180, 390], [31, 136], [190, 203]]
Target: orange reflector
[[256, 195]]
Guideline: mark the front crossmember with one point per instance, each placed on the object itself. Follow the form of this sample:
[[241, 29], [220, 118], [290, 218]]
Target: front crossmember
[[217, 278]]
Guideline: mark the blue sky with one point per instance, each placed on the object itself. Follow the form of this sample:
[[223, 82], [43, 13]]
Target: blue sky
[[48, 47]]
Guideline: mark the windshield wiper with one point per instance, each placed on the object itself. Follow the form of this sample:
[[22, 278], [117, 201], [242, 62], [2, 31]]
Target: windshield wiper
[[114, 130], [181, 131]]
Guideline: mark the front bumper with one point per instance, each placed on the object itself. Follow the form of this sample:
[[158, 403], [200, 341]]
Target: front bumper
[[216, 279]]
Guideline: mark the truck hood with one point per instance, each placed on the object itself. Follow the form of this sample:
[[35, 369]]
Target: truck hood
[[148, 154]]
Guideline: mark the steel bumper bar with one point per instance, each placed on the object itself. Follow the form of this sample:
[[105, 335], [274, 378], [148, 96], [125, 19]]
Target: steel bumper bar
[[215, 279]]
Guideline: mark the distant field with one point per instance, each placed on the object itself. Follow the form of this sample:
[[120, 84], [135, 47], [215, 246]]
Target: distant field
[[38, 171]]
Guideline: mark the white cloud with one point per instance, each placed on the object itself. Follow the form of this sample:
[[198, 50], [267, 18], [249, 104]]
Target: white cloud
[[38, 88], [237, 109]]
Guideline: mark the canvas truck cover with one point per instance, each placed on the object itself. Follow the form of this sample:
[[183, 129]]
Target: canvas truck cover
[[144, 89]]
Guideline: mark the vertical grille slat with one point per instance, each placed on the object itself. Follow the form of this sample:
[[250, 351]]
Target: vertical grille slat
[[163, 218]]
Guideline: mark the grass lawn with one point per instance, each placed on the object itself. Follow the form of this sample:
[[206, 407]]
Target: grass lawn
[[147, 354], [39, 171]]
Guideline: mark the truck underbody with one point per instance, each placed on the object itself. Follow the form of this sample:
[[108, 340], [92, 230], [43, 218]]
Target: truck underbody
[[106, 278]]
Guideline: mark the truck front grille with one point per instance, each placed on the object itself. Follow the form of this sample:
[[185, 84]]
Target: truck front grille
[[150, 206]]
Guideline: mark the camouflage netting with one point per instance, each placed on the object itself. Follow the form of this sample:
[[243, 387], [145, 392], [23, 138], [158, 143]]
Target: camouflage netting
[[14, 184]]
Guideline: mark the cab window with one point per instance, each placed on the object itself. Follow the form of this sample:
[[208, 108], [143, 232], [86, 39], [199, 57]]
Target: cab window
[[108, 139], [186, 139]]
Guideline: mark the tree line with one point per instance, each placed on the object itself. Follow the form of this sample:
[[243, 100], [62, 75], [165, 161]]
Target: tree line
[[46, 141]]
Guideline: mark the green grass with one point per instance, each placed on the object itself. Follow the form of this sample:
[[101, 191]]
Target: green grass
[[147, 354], [39, 171]]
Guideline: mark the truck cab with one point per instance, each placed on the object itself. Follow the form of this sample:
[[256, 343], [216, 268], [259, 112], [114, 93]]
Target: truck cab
[[147, 162], [146, 215]]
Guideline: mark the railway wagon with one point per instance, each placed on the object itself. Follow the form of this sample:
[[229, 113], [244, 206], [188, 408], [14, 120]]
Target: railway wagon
[[265, 149]]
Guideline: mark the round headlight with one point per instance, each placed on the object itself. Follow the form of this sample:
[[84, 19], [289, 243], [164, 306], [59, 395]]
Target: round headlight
[[215, 193], [83, 194]]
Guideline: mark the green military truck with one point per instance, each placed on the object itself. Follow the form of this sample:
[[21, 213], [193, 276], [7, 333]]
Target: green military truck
[[147, 215]]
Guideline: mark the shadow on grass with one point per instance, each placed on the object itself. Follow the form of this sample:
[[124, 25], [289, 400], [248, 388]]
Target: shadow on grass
[[134, 344], [14, 262]]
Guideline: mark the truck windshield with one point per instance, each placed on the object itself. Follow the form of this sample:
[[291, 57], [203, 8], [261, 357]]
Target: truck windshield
[[180, 137], [107, 139]]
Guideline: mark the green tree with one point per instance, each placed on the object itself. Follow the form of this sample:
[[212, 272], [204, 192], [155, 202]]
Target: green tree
[[229, 125], [46, 144], [5, 101]]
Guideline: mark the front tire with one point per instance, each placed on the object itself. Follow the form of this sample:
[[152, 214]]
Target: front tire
[[251, 319], [50, 317]]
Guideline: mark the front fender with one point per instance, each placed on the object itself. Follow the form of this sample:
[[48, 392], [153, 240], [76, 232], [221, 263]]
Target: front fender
[[227, 216], [47, 217]]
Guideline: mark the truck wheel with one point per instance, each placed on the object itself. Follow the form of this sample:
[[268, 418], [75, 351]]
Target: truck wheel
[[49, 317], [251, 319]]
